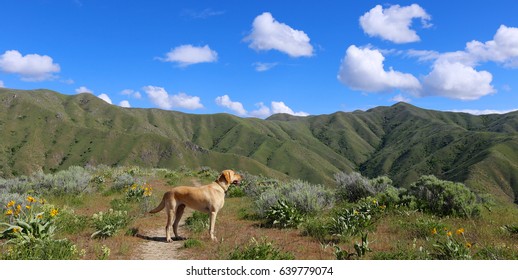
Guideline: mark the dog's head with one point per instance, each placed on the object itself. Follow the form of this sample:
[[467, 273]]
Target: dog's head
[[230, 177]]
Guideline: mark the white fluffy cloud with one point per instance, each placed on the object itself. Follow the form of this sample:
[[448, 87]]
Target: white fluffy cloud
[[278, 107], [457, 81], [31, 67], [105, 97], [394, 23], [269, 34], [162, 99], [263, 111], [363, 69], [236, 107], [82, 89], [2, 84], [132, 93], [502, 49], [401, 98], [125, 104], [186, 55]]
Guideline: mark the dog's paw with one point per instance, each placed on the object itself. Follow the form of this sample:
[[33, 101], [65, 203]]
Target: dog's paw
[[169, 240]]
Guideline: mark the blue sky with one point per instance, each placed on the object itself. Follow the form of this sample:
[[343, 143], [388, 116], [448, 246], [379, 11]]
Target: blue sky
[[257, 58]]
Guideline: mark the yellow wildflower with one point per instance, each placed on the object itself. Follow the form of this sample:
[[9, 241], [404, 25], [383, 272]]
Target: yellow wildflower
[[10, 204], [374, 201], [16, 229], [468, 245], [28, 207], [434, 231], [9, 212], [40, 216], [449, 233], [43, 201], [31, 199], [54, 212], [460, 231]]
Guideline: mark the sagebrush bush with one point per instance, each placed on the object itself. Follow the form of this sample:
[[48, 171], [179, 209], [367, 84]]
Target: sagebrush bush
[[123, 180], [308, 199], [74, 180], [444, 198], [353, 186]]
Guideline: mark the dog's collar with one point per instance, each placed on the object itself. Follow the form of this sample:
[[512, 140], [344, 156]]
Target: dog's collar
[[224, 190]]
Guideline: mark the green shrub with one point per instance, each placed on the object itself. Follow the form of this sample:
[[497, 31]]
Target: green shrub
[[192, 243], [172, 178], [259, 250], [444, 198], [198, 222], [355, 220], [283, 215], [109, 223], [48, 249], [69, 222], [316, 227], [236, 191]]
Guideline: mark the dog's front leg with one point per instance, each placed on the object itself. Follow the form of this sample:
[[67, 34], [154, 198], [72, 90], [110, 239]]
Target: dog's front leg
[[213, 215]]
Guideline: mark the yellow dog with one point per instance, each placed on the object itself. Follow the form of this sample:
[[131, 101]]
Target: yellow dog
[[208, 199]]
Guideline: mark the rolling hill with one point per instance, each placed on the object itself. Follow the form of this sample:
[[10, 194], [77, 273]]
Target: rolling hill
[[45, 130]]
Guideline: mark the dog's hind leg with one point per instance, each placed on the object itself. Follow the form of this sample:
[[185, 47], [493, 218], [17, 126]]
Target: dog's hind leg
[[179, 213], [170, 217]]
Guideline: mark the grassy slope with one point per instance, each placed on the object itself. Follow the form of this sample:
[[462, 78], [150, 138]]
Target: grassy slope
[[46, 130]]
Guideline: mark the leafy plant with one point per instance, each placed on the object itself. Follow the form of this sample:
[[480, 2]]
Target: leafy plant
[[26, 224], [137, 192], [449, 246], [47, 249], [260, 250], [109, 223], [283, 215], [355, 220], [198, 222]]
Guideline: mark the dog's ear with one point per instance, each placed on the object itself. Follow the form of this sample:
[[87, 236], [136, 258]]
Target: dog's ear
[[228, 175]]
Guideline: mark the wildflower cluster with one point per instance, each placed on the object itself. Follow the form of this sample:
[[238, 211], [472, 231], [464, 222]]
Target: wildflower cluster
[[27, 224], [137, 192], [451, 246]]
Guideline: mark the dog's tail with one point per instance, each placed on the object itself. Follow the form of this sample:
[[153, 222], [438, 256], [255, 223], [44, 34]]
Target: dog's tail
[[159, 207]]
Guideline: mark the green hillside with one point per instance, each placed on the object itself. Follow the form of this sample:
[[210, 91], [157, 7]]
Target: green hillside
[[45, 130]]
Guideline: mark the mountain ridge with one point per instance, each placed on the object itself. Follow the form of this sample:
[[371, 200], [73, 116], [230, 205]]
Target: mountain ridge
[[49, 131]]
